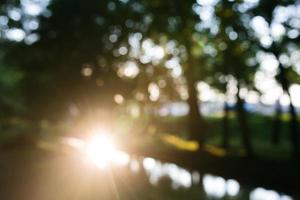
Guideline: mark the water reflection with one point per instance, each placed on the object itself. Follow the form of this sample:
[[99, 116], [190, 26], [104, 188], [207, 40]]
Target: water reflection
[[215, 187], [232, 187], [218, 187], [196, 177], [134, 166], [156, 170], [262, 194]]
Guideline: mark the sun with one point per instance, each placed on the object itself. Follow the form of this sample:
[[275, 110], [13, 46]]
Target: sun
[[100, 150]]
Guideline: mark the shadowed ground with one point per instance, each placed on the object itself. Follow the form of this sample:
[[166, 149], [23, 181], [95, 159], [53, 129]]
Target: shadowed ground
[[29, 173]]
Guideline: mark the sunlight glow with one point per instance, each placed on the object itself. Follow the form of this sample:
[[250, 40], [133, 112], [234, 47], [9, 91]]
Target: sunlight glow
[[15, 34], [180, 143], [128, 70], [118, 98], [34, 7], [100, 150], [87, 71], [154, 91]]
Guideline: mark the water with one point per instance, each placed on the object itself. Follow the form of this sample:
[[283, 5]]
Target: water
[[215, 187]]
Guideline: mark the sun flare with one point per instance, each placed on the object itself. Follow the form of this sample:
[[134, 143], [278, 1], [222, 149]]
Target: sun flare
[[101, 151]]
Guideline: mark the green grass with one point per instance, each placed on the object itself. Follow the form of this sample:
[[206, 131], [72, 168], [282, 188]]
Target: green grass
[[146, 131], [260, 128]]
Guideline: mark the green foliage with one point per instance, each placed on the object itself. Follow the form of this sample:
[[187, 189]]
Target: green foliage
[[10, 99], [76, 59]]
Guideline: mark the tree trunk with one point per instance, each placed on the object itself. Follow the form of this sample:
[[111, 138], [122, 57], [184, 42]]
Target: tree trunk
[[194, 116], [285, 84], [276, 125], [294, 129], [225, 128], [241, 113], [294, 137]]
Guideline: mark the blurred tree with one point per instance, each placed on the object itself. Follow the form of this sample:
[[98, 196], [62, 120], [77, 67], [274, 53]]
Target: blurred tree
[[83, 57], [278, 47], [78, 54], [234, 50], [10, 99], [10, 77], [277, 124], [72, 58], [177, 21]]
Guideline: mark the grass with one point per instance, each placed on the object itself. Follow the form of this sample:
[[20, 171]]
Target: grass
[[260, 132], [147, 132]]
